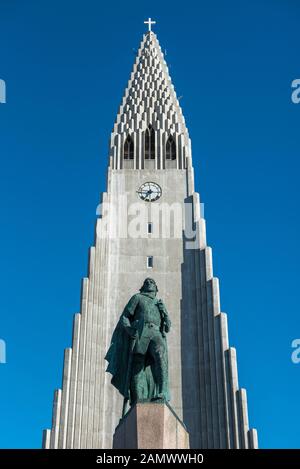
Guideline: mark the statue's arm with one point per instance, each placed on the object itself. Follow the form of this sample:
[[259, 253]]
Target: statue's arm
[[167, 323], [128, 314], [165, 315]]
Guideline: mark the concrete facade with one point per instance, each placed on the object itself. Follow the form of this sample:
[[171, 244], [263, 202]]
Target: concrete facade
[[204, 385]]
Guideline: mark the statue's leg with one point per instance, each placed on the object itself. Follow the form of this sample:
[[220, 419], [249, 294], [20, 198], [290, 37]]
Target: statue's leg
[[157, 350], [138, 383]]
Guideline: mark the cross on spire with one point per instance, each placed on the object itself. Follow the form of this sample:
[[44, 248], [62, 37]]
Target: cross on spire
[[149, 23]]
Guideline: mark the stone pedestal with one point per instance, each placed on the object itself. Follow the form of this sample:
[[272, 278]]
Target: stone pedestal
[[151, 425]]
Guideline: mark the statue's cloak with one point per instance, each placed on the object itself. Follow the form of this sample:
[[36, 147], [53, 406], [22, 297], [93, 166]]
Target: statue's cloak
[[117, 357]]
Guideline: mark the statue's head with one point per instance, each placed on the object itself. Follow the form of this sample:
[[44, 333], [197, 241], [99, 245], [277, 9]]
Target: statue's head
[[149, 285]]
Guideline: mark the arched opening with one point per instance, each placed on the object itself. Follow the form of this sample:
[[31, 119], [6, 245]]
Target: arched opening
[[150, 143], [128, 148], [171, 148]]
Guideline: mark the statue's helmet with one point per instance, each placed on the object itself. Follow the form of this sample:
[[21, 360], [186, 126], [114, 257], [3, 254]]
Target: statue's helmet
[[149, 285]]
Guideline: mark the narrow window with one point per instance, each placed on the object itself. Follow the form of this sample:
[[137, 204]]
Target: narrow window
[[149, 262], [128, 148], [149, 228], [171, 149], [150, 143]]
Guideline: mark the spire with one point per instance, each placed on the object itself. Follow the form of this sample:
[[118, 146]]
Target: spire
[[150, 100]]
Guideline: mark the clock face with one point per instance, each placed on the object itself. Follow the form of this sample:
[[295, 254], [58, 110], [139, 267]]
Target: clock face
[[149, 192]]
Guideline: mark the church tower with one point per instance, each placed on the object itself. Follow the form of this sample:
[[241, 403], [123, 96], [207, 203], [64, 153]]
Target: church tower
[[150, 225]]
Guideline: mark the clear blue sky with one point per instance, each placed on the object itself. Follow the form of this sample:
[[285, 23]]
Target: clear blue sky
[[66, 64]]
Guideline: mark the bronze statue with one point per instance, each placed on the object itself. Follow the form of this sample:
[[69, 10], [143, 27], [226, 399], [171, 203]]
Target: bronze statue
[[138, 356]]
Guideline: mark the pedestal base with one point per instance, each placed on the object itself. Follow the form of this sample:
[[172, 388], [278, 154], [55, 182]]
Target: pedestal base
[[151, 425]]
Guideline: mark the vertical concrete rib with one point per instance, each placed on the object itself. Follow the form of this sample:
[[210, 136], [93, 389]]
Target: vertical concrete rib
[[202, 424], [55, 419], [232, 382], [212, 368], [94, 346], [46, 439], [206, 350], [81, 363], [62, 438], [105, 330], [252, 438], [111, 398], [97, 360], [87, 369], [103, 421], [73, 381], [224, 344], [99, 365], [220, 379], [243, 417]]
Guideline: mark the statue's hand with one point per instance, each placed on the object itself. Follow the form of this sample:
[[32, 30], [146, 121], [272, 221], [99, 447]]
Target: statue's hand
[[125, 322], [129, 328], [167, 324]]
